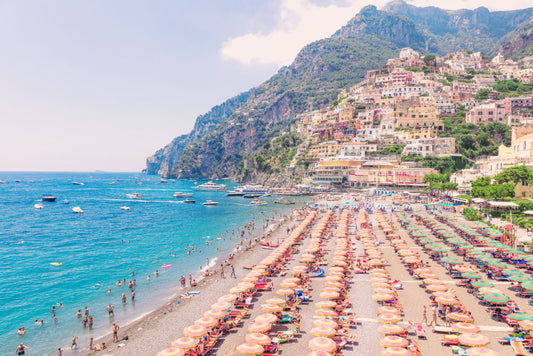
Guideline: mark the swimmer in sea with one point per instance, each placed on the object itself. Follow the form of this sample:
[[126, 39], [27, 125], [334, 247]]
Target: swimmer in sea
[[55, 318], [148, 278], [21, 331], [42, 322], [123, 298], [109, 291], [156, 273], [54, 309], [78, 314], [118, 283]]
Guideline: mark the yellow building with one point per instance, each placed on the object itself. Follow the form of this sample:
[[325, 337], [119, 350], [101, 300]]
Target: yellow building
[[418, 117], [423, 132], [324, 150]]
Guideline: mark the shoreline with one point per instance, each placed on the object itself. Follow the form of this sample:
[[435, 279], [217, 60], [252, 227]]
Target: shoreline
[[148, 321]]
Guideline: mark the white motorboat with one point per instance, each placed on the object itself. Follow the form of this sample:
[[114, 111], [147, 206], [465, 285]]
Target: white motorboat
[[210, 203], [237, 192], [211, 186], [182, 195], [254, 189], [125, 208], [78, 183], [134, 196], [77, 210], [38, 206]]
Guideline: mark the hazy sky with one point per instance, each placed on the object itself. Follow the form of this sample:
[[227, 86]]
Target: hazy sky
[[102, 84]]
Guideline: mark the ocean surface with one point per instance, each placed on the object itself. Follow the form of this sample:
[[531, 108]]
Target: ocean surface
[[103, 245]]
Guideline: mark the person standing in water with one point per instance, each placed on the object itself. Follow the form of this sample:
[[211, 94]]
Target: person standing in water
[[20, 349], [74, 342]]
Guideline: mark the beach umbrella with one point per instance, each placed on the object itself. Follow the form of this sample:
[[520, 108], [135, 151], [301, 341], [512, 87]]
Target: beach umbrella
[[215, 314], [325, 323], [471, 275], [460, 317], [526, 324], [437, 287], [224, 306], [379, 280], [267, 318], [329, 295], [422, 270], [257, 338], [519, 316], [269, 308], [238, 289], [185, 343], [452, 261], [333, 278], [389, 310], [250, 279], [292, 279], [325, 312], [318, 353], [285, 291], [389, 318], [171, 351], [379, 284], [250, 349], [228, 298], [322, 344], [447, 300], [519, 278], [487, 290], [391, 329], [322, 331], [481, 351], [288, 284], [394, 341], [496, 298], [326, 304], [465, 328], [259, 327], [381, 297], [396, 351], [498, 264], [527, 285], [275, 301], [383, 290], [194, 331], [474, 340], [334, 284], [513, 271], [206, 322], [480, 284]]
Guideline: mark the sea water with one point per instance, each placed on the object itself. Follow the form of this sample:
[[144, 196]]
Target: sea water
[[102, 245]]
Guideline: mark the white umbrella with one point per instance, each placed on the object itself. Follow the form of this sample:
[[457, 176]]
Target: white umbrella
[[528, 212]]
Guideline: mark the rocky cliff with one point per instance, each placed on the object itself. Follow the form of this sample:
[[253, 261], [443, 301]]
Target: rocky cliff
[[221, 139]]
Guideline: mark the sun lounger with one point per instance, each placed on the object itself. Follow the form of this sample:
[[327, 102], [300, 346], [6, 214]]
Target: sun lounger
[[442, 329], [419, 329], [518, 347], [449, 340], [507, 340]]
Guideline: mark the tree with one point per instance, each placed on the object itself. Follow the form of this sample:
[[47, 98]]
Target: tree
[[430, 59], [483, 94], [518, 174]]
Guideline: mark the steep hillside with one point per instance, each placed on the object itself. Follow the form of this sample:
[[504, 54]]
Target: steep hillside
[[220, 139]]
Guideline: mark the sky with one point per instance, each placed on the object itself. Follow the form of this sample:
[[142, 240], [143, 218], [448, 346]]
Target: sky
[[101, 85]]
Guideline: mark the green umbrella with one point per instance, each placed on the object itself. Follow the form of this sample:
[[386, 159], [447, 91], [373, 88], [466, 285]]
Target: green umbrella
[[496, 298], [512, 271], [497, 264], [480, 284], [519, 278], [452, 261], [519, 316], [471, 275], [528, 285]]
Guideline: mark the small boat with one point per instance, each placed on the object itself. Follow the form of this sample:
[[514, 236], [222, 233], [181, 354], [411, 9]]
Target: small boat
[[66, 201], [77, 210], [78, 183], [134, 196], [125, 208], [49, 198], [17, 180], [251, 195], [38, 206], [112, 183], [256, 201], [2, 181], [163, 181], [210, 203], [267, 244], [237, 192], [182, 195], [189, 201]]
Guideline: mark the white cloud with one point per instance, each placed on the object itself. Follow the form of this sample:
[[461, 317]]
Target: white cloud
[[302, 22]]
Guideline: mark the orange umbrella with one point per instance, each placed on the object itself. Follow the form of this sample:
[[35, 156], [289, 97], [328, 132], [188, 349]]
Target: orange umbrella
[[185, 343], [322, 331], [447, 300], [381, 297], [195, 331], [481, 351], [275, 301], [250, 349], [251, 279], [389, 310], [267, 318], [474, 340], [257, 338], [224, 306], [329, 295], [462, 327], [460, 317], [325, 323], [206, 322], [269, 308], [437, 287], [238, 289], [326, 304], [259, 327], [322, 344], [396, 351], [388, 318], [285, 291], [333, 278], [325, 312], [215, 314], [526, 324], [383, 290], [391, 329], [228, 298], [394, 341], [171, 352]]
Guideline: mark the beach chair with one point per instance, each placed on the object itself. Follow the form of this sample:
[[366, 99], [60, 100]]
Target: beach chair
[[420, 331], [518, 347], [442, 329], [449, 340]]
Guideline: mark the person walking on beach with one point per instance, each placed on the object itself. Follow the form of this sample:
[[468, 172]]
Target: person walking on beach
[[182, 281], [115, 332], [20, 349], [222, 271], [74, 342], [233, 272], [190, 280], [91, 343], [433, 316], [424, 316]]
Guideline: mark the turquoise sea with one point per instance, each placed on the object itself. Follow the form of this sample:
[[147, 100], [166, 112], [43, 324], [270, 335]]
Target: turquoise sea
[[104, 244]]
